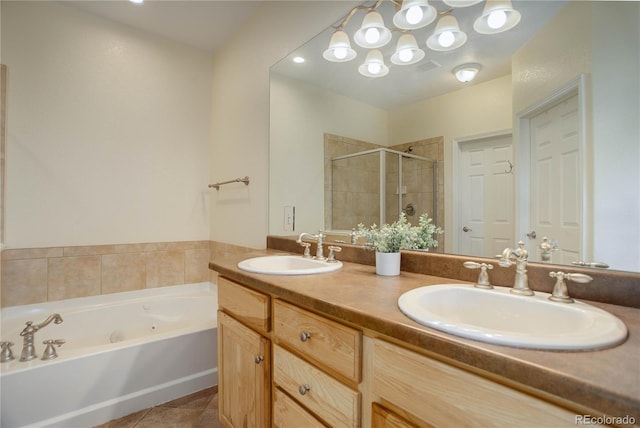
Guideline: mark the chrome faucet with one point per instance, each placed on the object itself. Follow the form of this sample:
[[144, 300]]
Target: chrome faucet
[[319, 237], [520, 255], [28, 349]]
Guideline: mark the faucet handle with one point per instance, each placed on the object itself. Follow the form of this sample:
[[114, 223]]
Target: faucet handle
[[560, 292], [50, 352], [483, 277], [307, 251], [332, 257], [5, 352]]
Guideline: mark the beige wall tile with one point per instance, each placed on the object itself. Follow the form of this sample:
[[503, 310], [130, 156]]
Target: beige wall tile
[[71, 277], [31, 253], [165, 268], [24, 282], [123, 272], [196, 265]]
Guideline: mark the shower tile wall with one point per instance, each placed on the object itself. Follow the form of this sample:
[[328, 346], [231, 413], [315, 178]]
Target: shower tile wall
[[35, 275], [355, 199]]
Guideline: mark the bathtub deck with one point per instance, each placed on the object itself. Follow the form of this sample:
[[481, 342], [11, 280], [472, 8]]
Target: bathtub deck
[[197, 410]]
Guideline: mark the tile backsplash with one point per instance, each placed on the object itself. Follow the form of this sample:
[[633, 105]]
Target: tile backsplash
[[34, 275]]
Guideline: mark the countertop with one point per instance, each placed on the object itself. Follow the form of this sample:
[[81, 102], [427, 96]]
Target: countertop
[[606, 381]]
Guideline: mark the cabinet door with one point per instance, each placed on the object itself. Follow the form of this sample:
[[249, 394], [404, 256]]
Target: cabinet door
[[243, 375]]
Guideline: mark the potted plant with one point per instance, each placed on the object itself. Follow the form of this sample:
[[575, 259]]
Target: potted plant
[[388, 240]]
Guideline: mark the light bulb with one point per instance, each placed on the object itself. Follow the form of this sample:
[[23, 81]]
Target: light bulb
[[446, 39], [372, 35], [414, 15], [374, 67], [497, 19], [340, 53], [405, 55]]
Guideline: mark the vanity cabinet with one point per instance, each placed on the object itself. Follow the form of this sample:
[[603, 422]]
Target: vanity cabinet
[[244, 356], [408, 389], [317, 364]]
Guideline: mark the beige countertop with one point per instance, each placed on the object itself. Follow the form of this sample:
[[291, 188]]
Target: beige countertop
[[607, 381]]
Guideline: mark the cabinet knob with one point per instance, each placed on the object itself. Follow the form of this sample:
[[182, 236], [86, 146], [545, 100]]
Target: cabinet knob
[[304, 336], [303, 389], [258, 359]]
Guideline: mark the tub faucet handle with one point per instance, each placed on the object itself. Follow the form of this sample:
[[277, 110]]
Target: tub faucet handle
[[50, 351], [5, 352]]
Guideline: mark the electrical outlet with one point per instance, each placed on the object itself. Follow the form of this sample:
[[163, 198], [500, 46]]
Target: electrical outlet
[[289, 218]]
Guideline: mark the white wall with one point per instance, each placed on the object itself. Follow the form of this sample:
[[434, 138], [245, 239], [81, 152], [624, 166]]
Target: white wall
[[300, 115], [108, 131], [240, 118]]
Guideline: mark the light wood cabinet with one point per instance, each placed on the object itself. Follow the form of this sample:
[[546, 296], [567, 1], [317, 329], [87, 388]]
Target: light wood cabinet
[[243, 375], [287, 413], [441, 395]]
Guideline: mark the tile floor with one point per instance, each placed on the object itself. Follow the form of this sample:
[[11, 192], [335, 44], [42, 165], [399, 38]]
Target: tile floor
[[197, 410]]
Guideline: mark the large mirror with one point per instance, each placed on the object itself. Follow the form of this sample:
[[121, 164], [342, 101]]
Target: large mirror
[[576, 59]]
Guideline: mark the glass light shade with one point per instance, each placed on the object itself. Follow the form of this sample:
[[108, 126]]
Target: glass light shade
[[372, 33], [374, 65], [339, 49], [466, 72], [407, 51], [497, 12], [460, 3], [447, 35], [414, 14]]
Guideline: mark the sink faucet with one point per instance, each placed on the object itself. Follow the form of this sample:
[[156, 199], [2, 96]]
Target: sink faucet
[[28, 349], [560, 292], [319, 237], [521, 283]]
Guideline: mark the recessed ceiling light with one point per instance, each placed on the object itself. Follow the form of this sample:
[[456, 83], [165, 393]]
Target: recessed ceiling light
[[137, 1], [298, 59]]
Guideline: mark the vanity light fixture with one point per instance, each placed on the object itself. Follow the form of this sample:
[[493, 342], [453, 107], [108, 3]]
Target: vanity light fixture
[[407, 51], [414, 14], [447, 35], [460, 3], [374, 65], [466, 72], [339, 49], [497, 16], [372, 34]]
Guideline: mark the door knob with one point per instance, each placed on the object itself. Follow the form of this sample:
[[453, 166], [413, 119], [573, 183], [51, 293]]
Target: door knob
[[466, 229], [532, 234]]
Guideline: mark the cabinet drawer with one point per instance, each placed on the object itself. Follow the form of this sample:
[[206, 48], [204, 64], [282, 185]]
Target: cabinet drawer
[[248, 306], [289, 414], [334, 402], [325, 342], [443, 395]]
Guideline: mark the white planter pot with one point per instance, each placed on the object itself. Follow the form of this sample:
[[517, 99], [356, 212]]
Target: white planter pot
[[388, 264]]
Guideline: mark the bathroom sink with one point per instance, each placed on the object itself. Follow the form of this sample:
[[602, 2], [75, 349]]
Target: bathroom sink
[[499, 317], [288, 265]]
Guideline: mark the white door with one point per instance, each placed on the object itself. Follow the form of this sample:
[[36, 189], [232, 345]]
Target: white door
[[485, 205], [556, 181]]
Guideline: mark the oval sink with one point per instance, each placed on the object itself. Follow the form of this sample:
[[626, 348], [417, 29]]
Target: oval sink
[[287, 265], [499, 317]]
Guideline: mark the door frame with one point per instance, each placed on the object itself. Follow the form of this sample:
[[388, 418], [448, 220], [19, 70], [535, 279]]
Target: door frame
[[457, 144], [522, 121]]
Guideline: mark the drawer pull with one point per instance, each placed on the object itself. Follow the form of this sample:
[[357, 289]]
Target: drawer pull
[[303, 389], [259, 359], [304, 336]]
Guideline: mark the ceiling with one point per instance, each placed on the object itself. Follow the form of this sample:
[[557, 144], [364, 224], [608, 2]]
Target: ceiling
[[430, 77], [203, 24]]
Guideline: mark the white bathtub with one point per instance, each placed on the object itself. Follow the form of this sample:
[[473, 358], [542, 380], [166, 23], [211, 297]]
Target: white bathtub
[[124, 352]]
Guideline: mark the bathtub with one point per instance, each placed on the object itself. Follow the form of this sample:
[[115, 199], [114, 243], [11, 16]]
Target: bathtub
[[124, 352]]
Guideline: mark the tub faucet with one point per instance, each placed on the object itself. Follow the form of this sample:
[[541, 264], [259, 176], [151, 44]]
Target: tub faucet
[[319, 237], [520, 255], [28, 348]]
